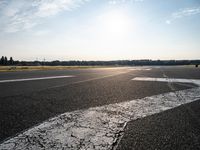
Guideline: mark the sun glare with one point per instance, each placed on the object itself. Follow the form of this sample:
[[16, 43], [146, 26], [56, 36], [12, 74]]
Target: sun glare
[[116, 22]]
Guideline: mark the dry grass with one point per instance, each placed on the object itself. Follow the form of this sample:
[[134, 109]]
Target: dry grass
[[31, 68]]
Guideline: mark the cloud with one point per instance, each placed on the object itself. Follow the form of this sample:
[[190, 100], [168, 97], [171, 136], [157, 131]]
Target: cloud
[[183, 13], [48, 8], [3, 2], [23, 14], [113, 2]]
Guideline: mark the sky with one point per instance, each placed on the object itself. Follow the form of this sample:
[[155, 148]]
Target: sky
[[100, 29]]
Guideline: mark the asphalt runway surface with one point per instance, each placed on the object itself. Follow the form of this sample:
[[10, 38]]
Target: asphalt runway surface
[[24, 104], [178, 128]]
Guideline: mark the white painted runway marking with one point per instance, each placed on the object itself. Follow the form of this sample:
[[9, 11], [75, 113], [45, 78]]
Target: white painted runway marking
[[139, 69], [98, 127], [32, 79], [197, 82]]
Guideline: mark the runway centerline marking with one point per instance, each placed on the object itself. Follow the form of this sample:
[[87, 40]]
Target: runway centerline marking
[[97, 127], [33, 79]]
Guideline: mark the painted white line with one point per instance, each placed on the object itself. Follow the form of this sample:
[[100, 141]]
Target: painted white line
[[32, 79], [197, 82], [146, 69], [98, 127]]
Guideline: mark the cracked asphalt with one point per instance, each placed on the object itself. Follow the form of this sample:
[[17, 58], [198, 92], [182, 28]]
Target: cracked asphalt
[[26, 104]]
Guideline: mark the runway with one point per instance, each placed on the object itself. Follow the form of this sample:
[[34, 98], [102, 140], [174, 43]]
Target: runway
[[27, 103]]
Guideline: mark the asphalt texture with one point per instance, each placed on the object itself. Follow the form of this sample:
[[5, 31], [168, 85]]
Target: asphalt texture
[[26, 104], [178, 128]]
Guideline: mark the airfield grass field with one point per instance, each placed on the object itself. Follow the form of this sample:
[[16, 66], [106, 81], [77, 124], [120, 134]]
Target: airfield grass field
[[32, 68]]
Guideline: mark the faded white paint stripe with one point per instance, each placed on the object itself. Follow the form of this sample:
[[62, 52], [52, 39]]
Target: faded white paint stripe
[[197, 82], [145, 69], [95, 128], [32, 79]]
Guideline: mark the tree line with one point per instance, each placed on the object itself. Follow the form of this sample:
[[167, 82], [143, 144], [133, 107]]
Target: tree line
[[143, 62], [5, 61]]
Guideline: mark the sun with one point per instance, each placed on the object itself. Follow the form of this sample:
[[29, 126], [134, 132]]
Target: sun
[[116, 22]]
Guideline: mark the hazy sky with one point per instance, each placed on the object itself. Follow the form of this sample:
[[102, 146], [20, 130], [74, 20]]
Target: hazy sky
[[100, 29]]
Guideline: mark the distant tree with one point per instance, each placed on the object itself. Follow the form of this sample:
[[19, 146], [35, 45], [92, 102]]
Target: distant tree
[[5, 61], [11, 62], [2, 60]]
